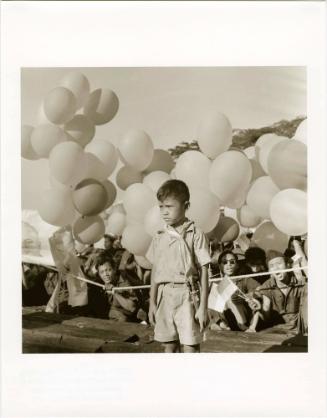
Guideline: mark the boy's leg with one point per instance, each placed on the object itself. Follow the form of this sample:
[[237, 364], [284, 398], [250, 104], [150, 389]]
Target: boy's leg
[[191, 348], [172, 347]]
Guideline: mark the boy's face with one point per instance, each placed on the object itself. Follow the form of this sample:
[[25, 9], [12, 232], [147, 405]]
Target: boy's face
[[172, 210], [106, 273], [275, 264]]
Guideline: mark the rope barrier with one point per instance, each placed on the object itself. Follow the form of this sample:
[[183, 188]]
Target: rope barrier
[[212, 278]]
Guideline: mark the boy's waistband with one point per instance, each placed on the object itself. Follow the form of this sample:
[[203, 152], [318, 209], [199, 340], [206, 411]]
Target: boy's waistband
[[174, 284]]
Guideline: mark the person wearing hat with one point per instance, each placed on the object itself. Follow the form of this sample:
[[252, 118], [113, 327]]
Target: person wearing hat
[[279, 299]]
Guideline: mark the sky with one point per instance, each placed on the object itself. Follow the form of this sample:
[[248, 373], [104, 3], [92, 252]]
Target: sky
[[168, 103]]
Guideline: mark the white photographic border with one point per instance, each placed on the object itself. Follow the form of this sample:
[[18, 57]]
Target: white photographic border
[[104, 34]]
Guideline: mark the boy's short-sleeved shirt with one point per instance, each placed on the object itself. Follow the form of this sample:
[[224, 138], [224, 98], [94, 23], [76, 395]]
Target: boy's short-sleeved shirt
[[177, 256]]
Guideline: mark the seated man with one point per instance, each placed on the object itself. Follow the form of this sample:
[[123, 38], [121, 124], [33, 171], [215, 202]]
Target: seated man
[[279, 299], [104, 303]]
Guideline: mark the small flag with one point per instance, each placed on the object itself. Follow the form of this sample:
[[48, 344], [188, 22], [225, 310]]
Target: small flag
[[62, 249], [220, 294]]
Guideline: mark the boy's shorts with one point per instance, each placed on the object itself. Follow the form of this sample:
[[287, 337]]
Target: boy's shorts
[[175, 319]]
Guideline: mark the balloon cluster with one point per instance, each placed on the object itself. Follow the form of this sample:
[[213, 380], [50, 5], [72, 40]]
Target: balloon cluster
[[265, 187], [79, 163]]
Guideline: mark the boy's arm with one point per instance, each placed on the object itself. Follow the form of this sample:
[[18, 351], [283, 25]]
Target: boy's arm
[[127, 303], [202, 312], [153, 300]]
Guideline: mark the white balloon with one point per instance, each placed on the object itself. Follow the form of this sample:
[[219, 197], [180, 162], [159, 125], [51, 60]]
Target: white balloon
[[78, 84], [27, 150], [301, 132], [214, 134], [155, 180], [193, 168], [136, 149], [263, 147], [116, 223], [204, 209], [138, 199], [153, 221], [288, 211], [106, 153]]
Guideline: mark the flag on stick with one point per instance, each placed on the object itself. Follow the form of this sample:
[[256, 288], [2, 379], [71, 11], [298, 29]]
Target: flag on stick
[[63, 252], [220, 293]]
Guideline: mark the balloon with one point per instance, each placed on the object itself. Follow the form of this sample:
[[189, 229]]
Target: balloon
[[45, 137], [268, 237], [80, 129], [229, 176], [55, 184], [136, 149], [135, 239], [287, 165], [301, 132], [247, 217], [101, 106], [193, 168], [30, 238], [78, 84], [41, 116], [67, 162], [106, 153], [257, 170], [238, 201], [56, 207], [137, 200], [153, 221], [90, 197], [93, 168], [306, 247], [111, 192], [116, 223], [126, 176], [204, 209], [250, 152], [117, 208], [155, 180], [88, 230], [226, 230], [214, 134], [263, 147], [27, 150], [143, 262], [59, 105], [288, 211], [230, 213], [161, 161], [260, 195]]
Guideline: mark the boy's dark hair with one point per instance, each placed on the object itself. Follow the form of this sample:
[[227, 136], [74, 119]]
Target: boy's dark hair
[[224, 253], [103, 259], [255, 254], [174, 188]]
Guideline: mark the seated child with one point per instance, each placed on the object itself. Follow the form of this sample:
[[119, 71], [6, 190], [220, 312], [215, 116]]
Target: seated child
[[280, 299], [106, 303], [179, 255]]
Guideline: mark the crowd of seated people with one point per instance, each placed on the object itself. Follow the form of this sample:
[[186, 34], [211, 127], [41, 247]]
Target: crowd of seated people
[[262, 301]]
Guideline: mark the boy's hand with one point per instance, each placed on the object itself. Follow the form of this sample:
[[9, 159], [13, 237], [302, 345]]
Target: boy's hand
[[254, 304], [202, 316], [152, 314], [108, 287]]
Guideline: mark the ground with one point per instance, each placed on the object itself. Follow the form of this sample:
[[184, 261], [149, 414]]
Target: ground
[[57, 333]]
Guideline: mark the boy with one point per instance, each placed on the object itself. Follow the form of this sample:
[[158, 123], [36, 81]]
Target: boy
[[120, 306], [279, 299], [178, 254]]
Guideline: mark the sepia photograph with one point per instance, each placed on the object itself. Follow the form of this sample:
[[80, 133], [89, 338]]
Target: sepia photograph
[[164, 210]]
